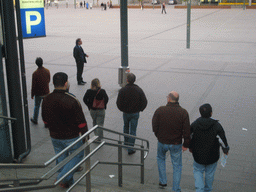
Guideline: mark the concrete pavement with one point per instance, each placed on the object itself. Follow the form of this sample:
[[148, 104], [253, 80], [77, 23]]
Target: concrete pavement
[[219, 68]]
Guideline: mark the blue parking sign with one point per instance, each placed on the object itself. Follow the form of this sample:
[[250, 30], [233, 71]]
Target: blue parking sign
[[32, 18]]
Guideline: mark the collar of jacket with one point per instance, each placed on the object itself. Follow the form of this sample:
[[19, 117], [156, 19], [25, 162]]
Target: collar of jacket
[[172, 104], [59, 91]]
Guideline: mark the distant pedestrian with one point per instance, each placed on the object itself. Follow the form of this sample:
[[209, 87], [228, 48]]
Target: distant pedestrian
[[90, 5], [40, 87], [84, 3], [97, 111], [81, 4], [63, 115], [170, 125], [87, 5], [163, 8], [80, 57], [205, 148], [142, 5], [131, 100]]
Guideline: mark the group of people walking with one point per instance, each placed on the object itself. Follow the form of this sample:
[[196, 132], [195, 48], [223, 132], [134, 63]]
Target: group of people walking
[[62, 113]]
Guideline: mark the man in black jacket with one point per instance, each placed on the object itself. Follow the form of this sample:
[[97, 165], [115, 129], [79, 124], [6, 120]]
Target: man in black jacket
[[79, 56], [131, 100], [205, 147]]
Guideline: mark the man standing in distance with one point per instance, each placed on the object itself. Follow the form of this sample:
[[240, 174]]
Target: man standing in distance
[[79, 56], [40, 87], [63, 115], [170, 124], [131, 100]]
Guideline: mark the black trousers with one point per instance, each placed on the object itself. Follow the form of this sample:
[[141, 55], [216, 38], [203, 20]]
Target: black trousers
[[80, 69]]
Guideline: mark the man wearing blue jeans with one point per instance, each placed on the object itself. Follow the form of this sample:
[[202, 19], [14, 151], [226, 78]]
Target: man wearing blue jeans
[[63, 115], [131, 101], [205, 147], [170, 124], [40, 87]]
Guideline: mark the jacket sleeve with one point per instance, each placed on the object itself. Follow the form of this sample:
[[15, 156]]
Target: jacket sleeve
[[80, 120], [186, 130], [119, 102], [221, 134], [155, 122], [86, 99], [144, 101], [105, 98]]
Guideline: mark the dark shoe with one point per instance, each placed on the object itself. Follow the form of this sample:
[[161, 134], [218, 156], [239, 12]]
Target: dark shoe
[[81, 83], [33, 121], [79, 169], [162, 185], [64, 185], [131, 152]]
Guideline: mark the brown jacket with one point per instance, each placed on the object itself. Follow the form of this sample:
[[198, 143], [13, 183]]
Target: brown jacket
[[63, 115], [171, 123], [40, 82]]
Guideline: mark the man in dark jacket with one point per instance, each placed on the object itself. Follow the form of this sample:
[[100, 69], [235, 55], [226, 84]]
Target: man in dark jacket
[[79, 56], [63, 115], [40, 87], [205, 147], [170, 124], [131, 100]]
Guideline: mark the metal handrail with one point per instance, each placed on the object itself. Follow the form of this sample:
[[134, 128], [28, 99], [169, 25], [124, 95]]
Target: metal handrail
[[85, 146], [8, 118]]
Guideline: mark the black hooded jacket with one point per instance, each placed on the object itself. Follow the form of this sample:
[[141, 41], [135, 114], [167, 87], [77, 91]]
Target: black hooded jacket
[[205, 145]]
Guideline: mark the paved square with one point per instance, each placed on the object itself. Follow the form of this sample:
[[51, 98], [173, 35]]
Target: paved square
[[219, 68]]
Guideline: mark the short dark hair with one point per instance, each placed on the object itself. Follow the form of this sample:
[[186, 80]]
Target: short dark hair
[[131, 78], [39, 61], [59, 79], [77, 40], [206, 110]]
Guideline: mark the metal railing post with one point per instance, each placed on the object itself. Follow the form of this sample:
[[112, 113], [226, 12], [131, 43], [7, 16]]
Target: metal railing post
[[142, 165], [87, 167], [120, 166]]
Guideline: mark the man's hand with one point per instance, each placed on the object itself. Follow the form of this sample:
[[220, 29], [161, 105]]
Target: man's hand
[[184, 149]]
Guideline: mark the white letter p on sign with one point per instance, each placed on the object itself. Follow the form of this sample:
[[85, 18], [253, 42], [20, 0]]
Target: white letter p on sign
[[29, 23]]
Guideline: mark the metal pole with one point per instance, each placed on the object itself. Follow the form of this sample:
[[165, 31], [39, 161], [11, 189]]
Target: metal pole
[[87, 167], [188, 23], [124, 33], [142, 165], [75, 4], [120, 168], [23, 81], [13, 79], [244, 5], [5, 142]]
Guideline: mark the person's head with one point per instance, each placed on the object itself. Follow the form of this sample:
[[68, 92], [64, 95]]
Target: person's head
[[205, 110], [39, 62], [173, 97], [131, 78], [95, 84], [60, 80], [78, 41]]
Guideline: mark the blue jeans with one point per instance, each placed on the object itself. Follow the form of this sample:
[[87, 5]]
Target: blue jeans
[[176, 158], [38, 100], [199, 170], [59, 145], [130, 127], [98, 117]]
